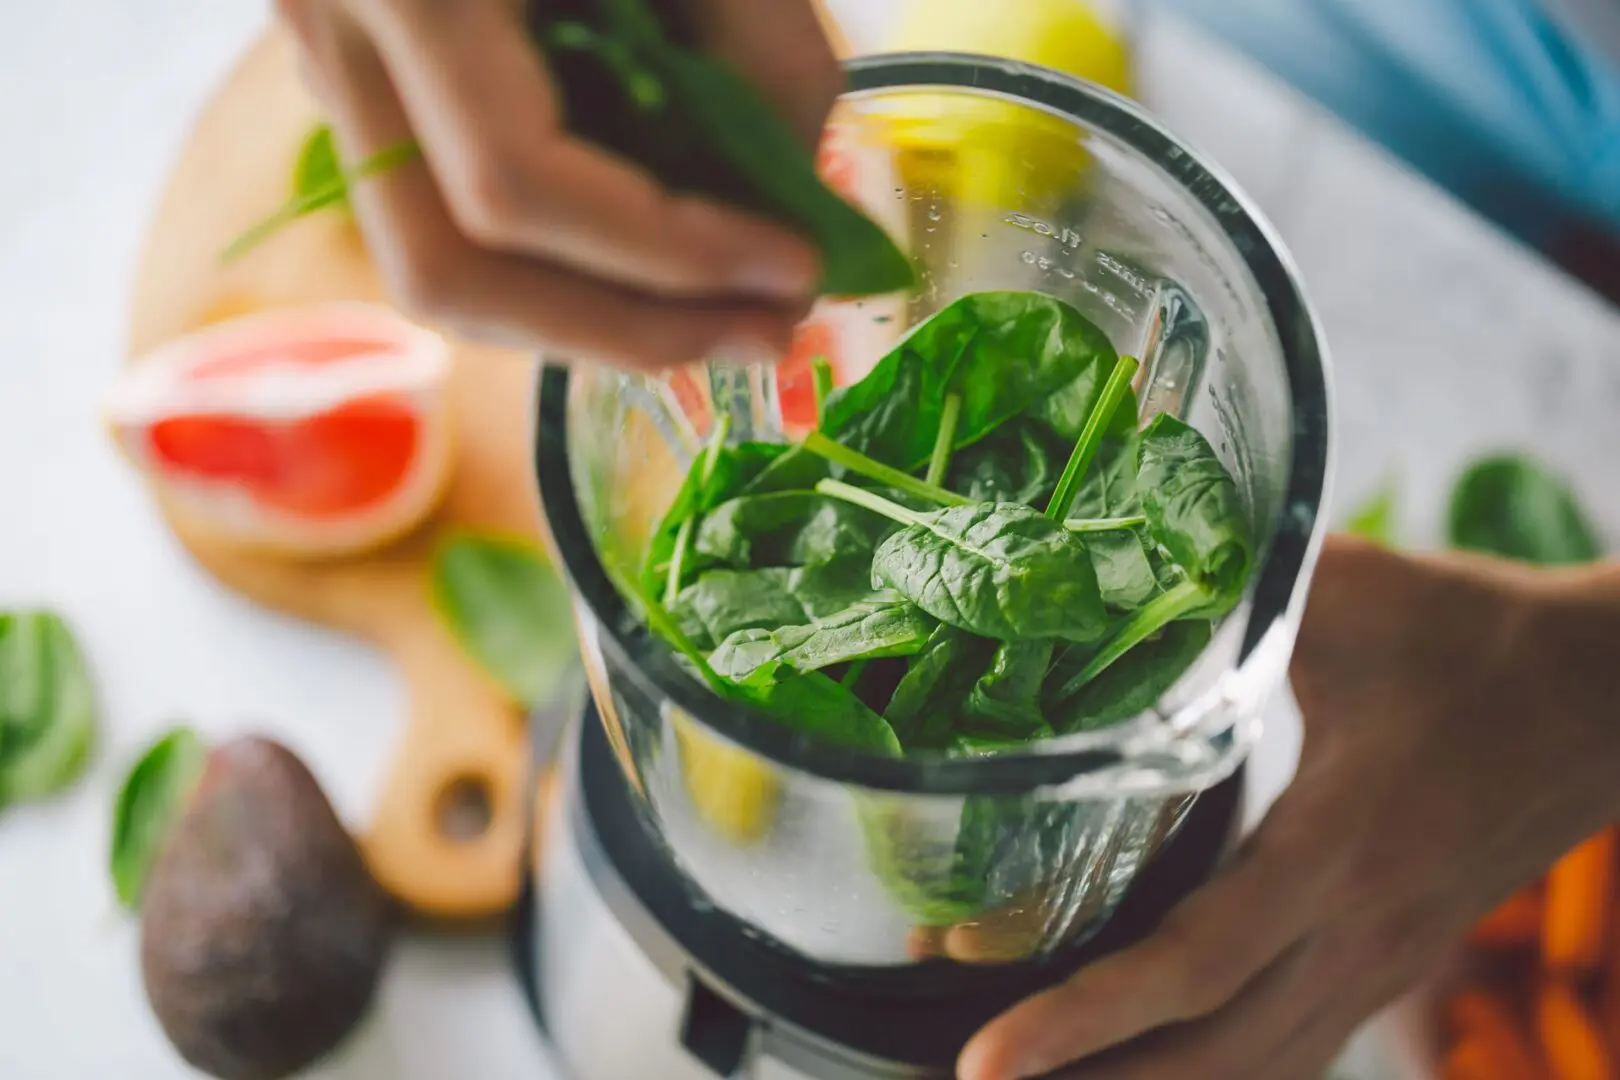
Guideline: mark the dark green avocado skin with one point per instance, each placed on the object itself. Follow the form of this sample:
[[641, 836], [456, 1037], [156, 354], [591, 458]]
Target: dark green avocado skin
[[262, 932]]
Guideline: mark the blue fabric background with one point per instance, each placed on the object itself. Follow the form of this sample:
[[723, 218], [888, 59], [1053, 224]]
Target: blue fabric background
[[1496, 100]]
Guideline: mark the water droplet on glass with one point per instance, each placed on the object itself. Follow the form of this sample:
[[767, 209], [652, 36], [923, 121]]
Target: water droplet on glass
[[934, 214]]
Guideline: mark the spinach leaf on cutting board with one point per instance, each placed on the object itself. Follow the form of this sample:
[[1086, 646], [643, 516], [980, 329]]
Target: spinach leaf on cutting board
[[502, 602], [47, 707]]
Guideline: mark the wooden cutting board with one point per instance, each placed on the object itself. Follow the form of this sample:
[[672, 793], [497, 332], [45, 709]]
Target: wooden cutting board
[[462, 733]]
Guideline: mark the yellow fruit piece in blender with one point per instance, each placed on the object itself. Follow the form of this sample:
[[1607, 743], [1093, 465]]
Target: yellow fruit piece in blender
[[732, 790], [988, 153]]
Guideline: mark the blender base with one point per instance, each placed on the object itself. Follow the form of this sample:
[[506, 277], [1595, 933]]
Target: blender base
[[630, 977]]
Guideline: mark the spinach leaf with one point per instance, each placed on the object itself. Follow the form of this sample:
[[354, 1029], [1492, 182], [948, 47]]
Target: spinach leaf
[[1130, 686], [1015, 463], [319, 168], [786, 528], [730, 118], [926, 701], [152, 797], [793, 469], [1192, 506], [999, 570], [819, 707], [332, 190], [887, 475], [940, 878], [884, 625], [1184, 601], [1002, 353], [47, 707], [715, 475], [509, 610], [1125, 575], [722, 602], [1109, 490], [1514, 508], [631, 82], [1374, 520], [1006, 699], [1091, 436]]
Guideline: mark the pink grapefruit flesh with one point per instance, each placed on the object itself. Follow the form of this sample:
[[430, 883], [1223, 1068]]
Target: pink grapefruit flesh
[[314, 431]]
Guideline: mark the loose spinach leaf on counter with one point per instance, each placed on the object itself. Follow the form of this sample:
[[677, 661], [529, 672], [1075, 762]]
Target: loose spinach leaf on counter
[[1374, 519], [881, 626], [1513, 507], [152, 797], [505, 605], [47, 707], [1001, 353]]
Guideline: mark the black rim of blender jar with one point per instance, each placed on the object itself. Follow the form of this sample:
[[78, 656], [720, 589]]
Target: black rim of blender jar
[[645, 658]]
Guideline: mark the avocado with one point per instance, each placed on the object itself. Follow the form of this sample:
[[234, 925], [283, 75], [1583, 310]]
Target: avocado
[[262, 932]]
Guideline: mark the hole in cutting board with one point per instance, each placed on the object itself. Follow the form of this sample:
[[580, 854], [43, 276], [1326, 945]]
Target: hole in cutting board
[[464, 809]]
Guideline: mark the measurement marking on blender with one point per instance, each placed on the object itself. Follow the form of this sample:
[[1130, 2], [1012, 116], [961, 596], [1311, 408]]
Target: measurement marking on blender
[[1066, 236], [1128, 275]]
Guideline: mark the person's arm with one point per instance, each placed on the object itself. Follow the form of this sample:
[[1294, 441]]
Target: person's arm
[[1461, 734], [510, 229]]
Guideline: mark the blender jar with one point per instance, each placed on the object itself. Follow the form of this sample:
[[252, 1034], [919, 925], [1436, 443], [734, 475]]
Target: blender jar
[[880, 864]]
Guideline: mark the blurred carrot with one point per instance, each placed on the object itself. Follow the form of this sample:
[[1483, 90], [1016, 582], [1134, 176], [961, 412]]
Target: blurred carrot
[[1608, 1008], [1471, 1060], [1514, 923], [1579, 906], [1574, 1047], [1480, 1018]]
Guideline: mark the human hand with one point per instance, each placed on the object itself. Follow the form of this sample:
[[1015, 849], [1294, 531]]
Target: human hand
[[509, 229], [1458, 738]]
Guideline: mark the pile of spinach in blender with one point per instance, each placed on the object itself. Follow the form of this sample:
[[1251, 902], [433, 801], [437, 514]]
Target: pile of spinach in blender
[[976, 548]]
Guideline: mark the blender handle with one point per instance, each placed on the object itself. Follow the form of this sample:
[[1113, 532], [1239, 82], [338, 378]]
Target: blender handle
[[716, 1032]]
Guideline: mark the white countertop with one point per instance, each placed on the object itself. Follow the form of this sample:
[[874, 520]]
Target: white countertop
[[1447, 339]]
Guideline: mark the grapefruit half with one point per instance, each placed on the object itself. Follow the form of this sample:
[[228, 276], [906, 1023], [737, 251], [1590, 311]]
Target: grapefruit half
[[309, 431]]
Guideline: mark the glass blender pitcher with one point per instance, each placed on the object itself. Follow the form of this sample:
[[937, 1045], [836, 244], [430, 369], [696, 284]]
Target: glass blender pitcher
[[881, 866]]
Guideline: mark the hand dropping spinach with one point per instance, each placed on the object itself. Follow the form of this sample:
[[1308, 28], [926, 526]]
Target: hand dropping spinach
[[979, 522], [632, 81]]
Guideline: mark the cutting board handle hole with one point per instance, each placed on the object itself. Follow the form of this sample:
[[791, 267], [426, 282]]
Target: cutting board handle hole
[[464, 809]]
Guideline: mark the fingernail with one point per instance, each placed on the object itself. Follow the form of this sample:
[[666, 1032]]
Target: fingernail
[[787, 273]]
